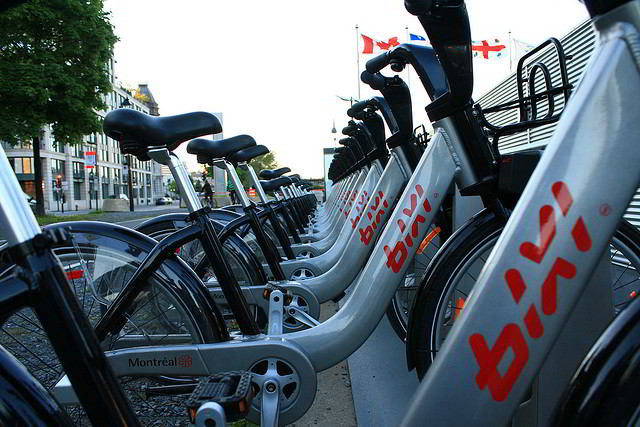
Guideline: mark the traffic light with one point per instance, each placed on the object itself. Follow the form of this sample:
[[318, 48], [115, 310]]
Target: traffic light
[[59, 181]]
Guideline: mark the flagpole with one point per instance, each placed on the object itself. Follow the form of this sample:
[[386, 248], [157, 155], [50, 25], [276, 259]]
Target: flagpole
[[510, 54], [406, 29], [358, 59]]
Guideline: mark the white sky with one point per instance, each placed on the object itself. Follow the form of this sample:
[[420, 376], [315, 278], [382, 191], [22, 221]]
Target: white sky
[[274, 68]]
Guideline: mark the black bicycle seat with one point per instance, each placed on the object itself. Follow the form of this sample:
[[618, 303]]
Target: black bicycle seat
[[137, 132], [273, 173], [274, 184], [207, 149], [247, 154]]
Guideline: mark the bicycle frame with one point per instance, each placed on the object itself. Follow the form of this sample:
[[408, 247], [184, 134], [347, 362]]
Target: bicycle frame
[[325, 345], [535, 276]]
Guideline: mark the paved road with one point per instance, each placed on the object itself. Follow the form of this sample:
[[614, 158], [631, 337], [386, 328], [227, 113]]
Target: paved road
[[133, 219]]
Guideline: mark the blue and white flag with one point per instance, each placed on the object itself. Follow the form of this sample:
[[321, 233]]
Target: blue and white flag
[[415, 37]]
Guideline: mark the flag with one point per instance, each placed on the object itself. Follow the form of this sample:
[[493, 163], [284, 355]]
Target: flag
[[352, 100], [489, 49], [520, 49], [371, 44], [415, 37]]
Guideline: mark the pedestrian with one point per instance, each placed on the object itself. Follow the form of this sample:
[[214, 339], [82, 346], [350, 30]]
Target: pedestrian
[[232, 191], [208, 193]]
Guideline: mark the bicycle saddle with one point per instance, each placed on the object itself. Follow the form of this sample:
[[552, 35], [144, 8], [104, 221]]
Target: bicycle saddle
[[247, 154], [137, 132], [274, 184], [273, 173], [207, 149], [350, 129]]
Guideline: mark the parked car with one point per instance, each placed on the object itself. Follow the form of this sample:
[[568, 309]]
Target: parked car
[[164, 201]]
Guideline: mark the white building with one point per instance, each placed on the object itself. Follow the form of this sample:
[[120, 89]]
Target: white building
[[69, 162]]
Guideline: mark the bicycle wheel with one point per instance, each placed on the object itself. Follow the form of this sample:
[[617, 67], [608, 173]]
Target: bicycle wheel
[[237, 252], [160, 315], [448, 284], [402, 301]]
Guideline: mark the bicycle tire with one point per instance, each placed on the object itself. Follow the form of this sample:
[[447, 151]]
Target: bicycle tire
[[399, 307], [242, 259], [455, 270], [94, 273]]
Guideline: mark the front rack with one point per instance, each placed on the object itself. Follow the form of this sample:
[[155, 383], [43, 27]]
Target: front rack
[[530, 113], [421, 137]]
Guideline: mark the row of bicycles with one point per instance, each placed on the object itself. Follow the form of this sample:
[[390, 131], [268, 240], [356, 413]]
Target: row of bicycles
[[212, 316]]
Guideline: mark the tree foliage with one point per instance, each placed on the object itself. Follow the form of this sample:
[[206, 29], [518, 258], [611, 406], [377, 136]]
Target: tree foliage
[[266, 161], [53, 68]]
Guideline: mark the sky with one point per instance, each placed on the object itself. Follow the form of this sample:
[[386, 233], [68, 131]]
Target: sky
[[275, 69]]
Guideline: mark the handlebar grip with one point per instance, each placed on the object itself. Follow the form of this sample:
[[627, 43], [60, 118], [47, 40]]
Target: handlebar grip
[[357, 107], [418, 7], [348, 130], [378, 63], [375, 81]]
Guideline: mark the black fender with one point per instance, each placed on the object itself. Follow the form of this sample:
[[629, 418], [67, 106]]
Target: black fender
[[178, 219], [23, 400], [184, 282], [221, 217], [604, 388], [460, 235]]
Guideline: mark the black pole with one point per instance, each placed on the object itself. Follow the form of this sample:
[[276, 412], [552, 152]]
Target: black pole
[[130, 183], [37, 176]]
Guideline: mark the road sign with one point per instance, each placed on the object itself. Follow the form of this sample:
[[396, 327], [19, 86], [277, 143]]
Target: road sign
[[90, 159]]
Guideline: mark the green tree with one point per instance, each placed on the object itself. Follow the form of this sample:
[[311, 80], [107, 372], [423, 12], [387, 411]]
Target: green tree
[[266, 161], [53, 70], [172, 186]]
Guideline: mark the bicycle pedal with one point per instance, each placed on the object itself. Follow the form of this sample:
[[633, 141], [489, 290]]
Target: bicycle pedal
[[231, 390]]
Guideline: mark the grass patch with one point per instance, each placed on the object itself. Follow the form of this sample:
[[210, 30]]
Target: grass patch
[[52, 219]]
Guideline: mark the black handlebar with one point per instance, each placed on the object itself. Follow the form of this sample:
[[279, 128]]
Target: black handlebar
[[357, 107], [378, 63], [417, 7], [374, 80]]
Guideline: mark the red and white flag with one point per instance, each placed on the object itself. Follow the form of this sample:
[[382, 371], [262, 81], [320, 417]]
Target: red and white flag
[[489, 49], [371, 45]]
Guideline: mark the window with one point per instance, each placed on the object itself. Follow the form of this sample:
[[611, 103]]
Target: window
[[56, 146], [22, 165], [77, 150], [116, 175], [78, 194], [78, 171], [57, 168]]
